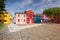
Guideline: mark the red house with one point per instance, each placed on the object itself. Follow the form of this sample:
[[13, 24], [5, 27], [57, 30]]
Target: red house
[[58, 19], [30, 19]]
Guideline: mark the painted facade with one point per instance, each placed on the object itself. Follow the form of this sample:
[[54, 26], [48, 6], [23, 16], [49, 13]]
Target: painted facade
[[20, 18], [38, 18], [4, 17], [45, 18], [58, 19], [1, 18], [30, 19]]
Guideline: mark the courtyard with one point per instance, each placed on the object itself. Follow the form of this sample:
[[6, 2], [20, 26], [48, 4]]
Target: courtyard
[[40, 32]]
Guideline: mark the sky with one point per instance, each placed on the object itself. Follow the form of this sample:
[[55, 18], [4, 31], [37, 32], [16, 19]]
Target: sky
[[37, 6]]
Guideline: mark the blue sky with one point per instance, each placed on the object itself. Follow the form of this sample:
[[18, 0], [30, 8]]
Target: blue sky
[[37, 6]]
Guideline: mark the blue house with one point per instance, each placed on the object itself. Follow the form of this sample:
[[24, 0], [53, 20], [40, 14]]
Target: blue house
[[37, 18]]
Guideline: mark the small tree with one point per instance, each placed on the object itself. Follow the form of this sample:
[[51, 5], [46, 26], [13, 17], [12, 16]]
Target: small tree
[[52, 12], [2, 5]]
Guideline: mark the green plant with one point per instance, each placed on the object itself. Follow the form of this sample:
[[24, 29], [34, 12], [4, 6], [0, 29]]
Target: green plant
[[1, 26]]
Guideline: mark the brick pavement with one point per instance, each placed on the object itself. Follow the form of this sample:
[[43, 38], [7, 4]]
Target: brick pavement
[[43, 32]]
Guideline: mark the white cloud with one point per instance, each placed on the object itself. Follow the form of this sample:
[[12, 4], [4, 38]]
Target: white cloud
[[50, 4], [39, 11], [47, 0], [19, 6]]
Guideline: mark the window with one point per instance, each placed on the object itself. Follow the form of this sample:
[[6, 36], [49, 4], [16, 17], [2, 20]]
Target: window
[[0, 15], [5, 15], [18, 20], [18, 15], [5, 20], [24, 15], [24, 20], [0, 20]]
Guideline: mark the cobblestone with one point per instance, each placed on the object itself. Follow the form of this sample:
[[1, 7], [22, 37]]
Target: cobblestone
[[43, 32]]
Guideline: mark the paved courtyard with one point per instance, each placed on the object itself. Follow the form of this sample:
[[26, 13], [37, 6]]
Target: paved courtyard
[[14, 27], [40, 32]]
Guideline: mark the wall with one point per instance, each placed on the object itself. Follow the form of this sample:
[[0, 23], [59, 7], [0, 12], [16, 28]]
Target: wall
[[21, 18], [37, 19], [58, 20]]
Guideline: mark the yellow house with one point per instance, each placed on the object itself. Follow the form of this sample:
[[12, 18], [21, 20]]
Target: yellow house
[[4, 17], [1, 17]]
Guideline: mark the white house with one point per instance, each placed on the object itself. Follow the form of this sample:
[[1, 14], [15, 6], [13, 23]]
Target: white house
[[20, 18]]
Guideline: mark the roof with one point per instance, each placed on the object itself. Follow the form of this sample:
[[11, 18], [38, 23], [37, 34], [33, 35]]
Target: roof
[[19, 13], [38, 15], [3, 12]]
